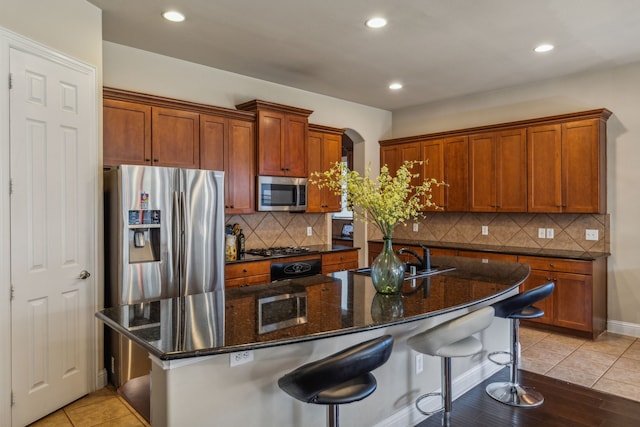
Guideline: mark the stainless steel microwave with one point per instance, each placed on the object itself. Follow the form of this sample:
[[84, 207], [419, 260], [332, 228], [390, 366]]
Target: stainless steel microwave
[[279, 193]]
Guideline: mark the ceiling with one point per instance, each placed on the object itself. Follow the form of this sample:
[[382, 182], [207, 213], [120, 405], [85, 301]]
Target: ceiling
[[437, 49]]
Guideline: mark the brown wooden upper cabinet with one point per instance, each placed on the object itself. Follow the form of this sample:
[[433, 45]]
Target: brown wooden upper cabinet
[[228, 144], [567, 166], [282, 138], [325, 149], [144, 129], [139, 134], [395, 155], [550, 164], [498, 171]]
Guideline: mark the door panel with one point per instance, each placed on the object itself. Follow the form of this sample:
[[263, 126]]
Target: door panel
[[53, 168]]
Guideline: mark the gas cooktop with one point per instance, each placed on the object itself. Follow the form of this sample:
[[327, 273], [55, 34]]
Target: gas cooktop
[[283, 250]]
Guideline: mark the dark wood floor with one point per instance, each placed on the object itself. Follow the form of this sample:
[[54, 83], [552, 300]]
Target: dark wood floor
[[565, 405]]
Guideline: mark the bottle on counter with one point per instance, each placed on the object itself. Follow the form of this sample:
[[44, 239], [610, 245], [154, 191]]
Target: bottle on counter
[[240, 242]]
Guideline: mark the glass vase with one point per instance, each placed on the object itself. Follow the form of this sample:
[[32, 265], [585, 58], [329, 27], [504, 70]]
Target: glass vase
[[387, 270]]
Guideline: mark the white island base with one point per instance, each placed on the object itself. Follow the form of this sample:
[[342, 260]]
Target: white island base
[[206, 391]]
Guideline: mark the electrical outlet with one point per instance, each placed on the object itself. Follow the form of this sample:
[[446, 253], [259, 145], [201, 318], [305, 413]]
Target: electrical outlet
[[591, 234], [309, 231], [415, 227], [549, 233], [419, 363], [542, 233], [485, 230], [240, 357]]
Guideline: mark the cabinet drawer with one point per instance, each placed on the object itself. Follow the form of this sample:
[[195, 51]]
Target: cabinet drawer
[[557, 264], [489, 255], [244, 269], [340, 258], [259, 279]]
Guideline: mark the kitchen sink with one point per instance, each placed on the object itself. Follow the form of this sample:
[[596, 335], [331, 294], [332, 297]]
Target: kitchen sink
[[435, 269]]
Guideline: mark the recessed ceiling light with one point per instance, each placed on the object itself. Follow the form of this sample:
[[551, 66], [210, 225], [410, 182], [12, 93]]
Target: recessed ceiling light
[[543, 48], [173, 16], [395, 86], [377, 22]]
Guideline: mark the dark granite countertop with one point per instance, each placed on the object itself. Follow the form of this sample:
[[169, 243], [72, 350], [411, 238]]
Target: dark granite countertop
[[336, 304], [313, 250], [541, 252]]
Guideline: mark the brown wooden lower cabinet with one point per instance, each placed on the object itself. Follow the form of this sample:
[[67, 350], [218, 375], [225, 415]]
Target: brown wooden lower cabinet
[[578, 304], [579, 300], [247, 273], [339, 261]]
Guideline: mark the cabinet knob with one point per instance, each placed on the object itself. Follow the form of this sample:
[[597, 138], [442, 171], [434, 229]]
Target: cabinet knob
[[244, 270], [551, 265], [156, 160]]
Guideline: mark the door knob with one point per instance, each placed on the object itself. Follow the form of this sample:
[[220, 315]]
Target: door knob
[[84, 274]]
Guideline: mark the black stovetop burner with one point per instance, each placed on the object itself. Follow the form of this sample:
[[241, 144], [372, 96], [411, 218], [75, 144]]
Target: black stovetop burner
[[283, 250]]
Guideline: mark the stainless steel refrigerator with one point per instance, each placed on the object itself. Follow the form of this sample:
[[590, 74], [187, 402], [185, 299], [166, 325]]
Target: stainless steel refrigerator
[[164, 238]]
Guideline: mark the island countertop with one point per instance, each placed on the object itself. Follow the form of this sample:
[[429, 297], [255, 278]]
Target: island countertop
[[336, 304]]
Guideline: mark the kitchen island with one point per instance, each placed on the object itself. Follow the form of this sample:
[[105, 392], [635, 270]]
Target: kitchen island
[[217, 356]]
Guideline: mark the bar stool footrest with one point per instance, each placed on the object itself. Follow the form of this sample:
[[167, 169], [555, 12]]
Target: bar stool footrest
[[491, 356], [515, 394], [424, 396]]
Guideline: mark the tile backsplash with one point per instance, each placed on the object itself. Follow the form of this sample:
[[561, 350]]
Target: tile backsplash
[[506, 229], [273, 229], [269, 229]]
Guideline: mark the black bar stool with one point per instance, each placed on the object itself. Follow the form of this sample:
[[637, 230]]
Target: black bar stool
[[517, 307], [453, 338], [343, 377]]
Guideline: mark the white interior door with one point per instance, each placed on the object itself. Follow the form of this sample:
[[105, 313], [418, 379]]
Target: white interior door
[[53, 173]]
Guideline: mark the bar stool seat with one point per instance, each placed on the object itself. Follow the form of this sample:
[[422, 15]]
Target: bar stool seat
[[452, 338], [517, 307], [341, 378]]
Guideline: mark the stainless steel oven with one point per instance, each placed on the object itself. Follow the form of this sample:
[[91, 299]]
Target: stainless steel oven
[[279, 193], [281, 307]]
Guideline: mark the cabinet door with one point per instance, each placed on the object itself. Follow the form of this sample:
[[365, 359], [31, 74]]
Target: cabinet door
[[535, 279], [394, 156], [482, 173], [573, 301], [240, 168], [331, 153], [456, 174], [324, 150], [432, 155], [582, 168], [270, 139], [511, 171], [315, 200], [544, 168], [213, 134], [127, 133], [390, 156], [294, 150], [175, 138]]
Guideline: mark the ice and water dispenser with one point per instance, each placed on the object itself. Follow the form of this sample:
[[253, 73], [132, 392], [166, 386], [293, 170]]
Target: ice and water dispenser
[[144, 236]]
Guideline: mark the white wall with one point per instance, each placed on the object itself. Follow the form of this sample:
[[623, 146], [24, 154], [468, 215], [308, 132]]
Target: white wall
[[70, 27], [617, 89]]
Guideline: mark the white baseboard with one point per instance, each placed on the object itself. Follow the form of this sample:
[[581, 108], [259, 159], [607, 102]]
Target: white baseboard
[[410, 416], [101, 379], [623, 328]]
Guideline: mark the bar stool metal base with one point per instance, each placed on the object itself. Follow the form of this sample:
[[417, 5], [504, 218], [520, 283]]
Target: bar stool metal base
[[424, 396], [515, 395]]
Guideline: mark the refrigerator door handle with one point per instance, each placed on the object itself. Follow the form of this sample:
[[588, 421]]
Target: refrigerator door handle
[[183, 254], [175, 234]]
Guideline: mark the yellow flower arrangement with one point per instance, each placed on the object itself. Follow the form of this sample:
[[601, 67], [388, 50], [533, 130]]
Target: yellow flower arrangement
[[385, 202]]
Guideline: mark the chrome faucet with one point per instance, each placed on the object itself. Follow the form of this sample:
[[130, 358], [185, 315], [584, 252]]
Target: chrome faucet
[[424, 261]]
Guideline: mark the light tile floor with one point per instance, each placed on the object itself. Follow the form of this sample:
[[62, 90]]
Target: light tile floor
[[101, 408], [611, 363]]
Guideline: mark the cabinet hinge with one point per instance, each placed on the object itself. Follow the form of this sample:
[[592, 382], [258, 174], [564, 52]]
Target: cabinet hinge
[[11, 293], [10, 186], [10, 81], [13, 400]]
